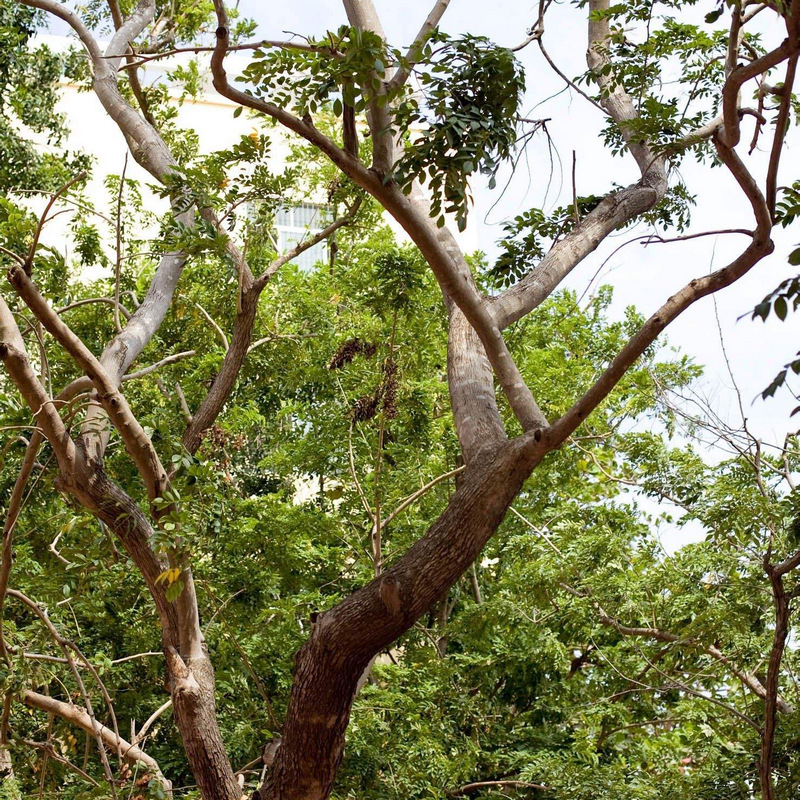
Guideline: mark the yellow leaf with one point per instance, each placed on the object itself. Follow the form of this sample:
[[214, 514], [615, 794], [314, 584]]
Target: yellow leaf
[[163, 576]]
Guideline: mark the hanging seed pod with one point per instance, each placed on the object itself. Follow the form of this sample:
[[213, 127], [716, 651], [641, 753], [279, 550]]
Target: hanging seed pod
[[349, 349], [365, 408]]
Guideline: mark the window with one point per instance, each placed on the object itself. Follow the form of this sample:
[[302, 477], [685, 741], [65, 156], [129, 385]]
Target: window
[[295, 224]]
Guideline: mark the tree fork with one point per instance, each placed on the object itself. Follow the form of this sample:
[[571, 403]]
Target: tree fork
[[346, 638]]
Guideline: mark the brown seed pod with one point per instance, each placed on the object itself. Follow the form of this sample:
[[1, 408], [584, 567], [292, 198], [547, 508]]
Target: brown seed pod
[[365, 408], [349, 349]]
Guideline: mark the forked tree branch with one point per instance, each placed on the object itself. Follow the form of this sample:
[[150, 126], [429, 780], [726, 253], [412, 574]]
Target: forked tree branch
[[136, 441], [614, 211], [152, 153], [437, 245], [241, 338], [78, 716], [760, 247], [15, 357]]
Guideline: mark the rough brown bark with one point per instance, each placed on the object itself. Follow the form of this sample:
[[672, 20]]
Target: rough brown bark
[[192, 690], [344, 639], [190, 675]]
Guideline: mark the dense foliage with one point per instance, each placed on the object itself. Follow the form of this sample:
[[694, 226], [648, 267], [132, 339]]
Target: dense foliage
[[514, 675], [578, 659]]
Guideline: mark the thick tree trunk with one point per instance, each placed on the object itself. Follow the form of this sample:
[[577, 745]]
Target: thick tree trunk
[[344, 639], [192, 689], [471, 383]]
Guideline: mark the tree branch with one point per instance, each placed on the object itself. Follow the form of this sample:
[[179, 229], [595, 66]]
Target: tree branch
[[470, 788], [615, 210], [760, 247], [412, 55], [15, 357], [79, 717], [116, 406]]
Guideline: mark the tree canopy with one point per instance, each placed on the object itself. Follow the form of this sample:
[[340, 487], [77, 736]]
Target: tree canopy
[[388, 526]]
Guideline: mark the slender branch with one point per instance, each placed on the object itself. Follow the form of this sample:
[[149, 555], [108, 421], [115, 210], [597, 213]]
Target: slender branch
[[222, 337], [142, 59], [781, 124], [78, 716], [748, 679], [148, 370], [470, 788], [151, 719], [116, 406], [43, 219], [354, 475], [50, 752], [307, 244], [536, 530], [570, 83], [90, 300], [411, 499], [413, 53]]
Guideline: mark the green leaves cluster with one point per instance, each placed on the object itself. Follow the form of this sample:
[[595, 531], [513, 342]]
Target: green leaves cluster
[[460, 118], [346, 68], [29, 80], [465, 119]]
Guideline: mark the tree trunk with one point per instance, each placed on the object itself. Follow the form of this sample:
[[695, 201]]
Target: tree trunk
[[344, 639], [190, 675], [192, 689], [228, 374]]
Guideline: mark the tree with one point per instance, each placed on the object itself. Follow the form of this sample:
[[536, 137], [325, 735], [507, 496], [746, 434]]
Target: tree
[[469, 107]]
